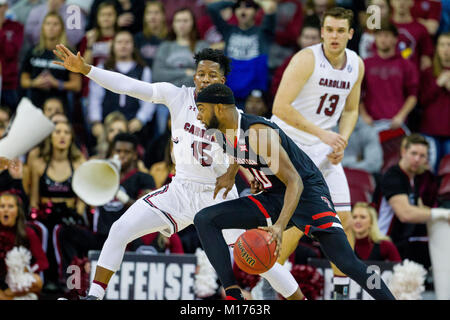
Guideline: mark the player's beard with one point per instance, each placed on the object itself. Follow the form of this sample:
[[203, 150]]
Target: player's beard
[[213, 123]]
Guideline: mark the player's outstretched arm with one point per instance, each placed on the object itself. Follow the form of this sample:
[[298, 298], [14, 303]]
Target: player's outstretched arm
[[265, 141], [113, 81]]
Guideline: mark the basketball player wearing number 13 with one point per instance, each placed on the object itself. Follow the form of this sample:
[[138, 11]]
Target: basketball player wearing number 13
[[321, 84]]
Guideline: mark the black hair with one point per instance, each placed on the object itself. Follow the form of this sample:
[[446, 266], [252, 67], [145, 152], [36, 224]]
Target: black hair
[[387, 26], [250, 3], [216, 93], [312, 21], [216, 56], [126, 137]]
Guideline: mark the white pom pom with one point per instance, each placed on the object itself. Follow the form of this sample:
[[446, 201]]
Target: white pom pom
[[17, 262], [288, 265], [407, 282], [206, 277]]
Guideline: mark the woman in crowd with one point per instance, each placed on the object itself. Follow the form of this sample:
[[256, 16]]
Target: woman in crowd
[[155, 30], [54, 110], [174, 60], [42, 77], [14, 232], [124, 58], [96, 44], [370, 243], [52, 199]]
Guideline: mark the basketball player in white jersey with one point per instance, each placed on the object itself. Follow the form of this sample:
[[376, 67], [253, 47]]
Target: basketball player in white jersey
[[319, 88], [198, 163]]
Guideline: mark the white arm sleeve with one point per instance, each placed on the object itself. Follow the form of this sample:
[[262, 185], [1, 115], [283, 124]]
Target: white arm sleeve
[[147, 109], [162, 92]]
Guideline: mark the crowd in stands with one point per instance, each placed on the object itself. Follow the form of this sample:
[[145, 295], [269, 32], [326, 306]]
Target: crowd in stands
[[405, 103]]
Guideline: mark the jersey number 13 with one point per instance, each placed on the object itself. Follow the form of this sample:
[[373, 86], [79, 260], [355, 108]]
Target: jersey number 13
[[329, 110]]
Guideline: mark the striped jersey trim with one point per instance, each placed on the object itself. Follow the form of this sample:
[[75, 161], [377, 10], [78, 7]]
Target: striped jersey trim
[[262, 209], [324, 214], [166, 214]]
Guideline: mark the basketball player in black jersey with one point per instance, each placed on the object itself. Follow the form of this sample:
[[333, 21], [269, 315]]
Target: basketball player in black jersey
[[295, 193]]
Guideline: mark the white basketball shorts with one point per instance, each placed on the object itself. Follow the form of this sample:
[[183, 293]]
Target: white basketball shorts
[[334, 174]]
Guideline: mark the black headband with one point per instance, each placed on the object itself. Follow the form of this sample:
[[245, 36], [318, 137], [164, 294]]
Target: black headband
[[206, 97]]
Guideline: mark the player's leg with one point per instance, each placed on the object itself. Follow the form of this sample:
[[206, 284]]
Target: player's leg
[[340, 194], [278, 277], [282, 281], [338, 250], [138, 220], [291, 237], [210, 221]]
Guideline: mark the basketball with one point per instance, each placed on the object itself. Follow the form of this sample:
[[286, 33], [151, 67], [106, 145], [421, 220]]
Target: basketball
[[253, 253]]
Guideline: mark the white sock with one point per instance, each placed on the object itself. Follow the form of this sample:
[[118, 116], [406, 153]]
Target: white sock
[[281, 280], [97, 291]]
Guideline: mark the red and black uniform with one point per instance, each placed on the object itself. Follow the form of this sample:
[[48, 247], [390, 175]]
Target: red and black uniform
[[314, 215]]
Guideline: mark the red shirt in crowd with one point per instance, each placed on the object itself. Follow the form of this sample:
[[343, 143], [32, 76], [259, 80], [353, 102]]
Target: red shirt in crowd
[[427, 9], [174, 244], [289, 22], [435, 102], [388, 251], [387, 84], [414, 41], [11, 38]]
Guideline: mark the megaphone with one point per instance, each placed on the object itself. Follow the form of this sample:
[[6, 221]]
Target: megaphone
[[96, 182], [29, 127], [439, 247]]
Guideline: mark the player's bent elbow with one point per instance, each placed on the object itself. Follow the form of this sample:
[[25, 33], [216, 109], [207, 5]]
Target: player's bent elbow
[[280, 110]]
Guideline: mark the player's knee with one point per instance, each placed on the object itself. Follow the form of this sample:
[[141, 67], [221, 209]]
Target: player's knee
[[117, 231], [202, 218]]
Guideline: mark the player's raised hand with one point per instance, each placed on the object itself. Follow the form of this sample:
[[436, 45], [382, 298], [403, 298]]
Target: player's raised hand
[[334, 140], [71, 62]]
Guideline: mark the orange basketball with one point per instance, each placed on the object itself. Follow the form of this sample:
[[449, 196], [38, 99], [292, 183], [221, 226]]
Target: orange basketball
[[252, 251]]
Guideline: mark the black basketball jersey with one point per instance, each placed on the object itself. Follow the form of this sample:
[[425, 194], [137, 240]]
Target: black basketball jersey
[[242, 153]]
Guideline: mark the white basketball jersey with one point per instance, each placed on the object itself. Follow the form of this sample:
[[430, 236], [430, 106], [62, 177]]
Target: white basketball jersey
[[197, 157], [323, 97]]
